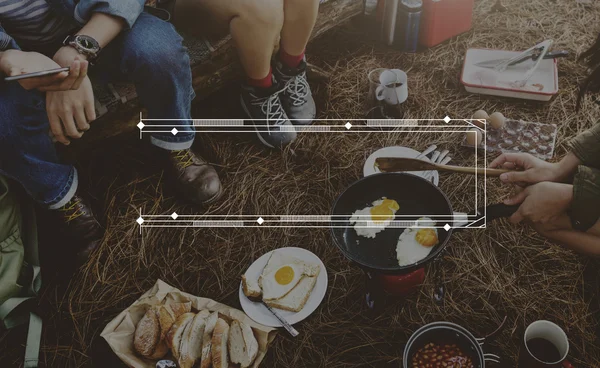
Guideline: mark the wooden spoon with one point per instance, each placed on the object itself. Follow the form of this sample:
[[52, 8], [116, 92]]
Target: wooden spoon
[[391, 164]]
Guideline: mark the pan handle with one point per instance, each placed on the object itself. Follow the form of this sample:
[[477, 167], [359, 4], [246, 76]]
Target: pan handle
[[492, 212], [499, 210]]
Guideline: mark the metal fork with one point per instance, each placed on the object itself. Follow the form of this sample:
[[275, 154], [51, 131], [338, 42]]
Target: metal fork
[[436, 157]]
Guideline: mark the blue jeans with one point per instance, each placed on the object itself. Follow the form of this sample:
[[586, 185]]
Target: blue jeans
[[151, 56]]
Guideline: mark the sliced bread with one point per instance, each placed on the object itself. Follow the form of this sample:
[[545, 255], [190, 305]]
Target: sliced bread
[[211, 321], [219, 344], [147, 333], [177, 309], [190, 349], [243, 347], [175, 334]]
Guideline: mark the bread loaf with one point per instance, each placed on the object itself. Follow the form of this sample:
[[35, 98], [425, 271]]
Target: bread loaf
[[219, 344]]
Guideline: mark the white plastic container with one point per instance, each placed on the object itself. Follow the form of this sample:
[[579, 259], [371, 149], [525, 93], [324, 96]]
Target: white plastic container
[[540, 87]]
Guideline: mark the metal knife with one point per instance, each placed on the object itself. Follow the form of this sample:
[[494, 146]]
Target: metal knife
[[289, 328], [491, 64]]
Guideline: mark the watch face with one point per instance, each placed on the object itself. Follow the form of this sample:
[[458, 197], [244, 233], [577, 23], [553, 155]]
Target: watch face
[[87, 43]]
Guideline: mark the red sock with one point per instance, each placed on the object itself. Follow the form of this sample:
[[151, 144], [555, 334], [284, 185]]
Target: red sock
[[265, 82], [291, 61]]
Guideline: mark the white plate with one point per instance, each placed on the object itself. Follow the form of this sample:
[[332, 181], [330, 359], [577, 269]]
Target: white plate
[[260, 314], [399, 151]]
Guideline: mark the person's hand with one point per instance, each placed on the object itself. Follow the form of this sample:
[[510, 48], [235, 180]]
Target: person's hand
[[70, 112], [528, 169], [16, 62], [541, 203], [68, 56]]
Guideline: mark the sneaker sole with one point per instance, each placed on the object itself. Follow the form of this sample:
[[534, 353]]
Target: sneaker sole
[[254, 123]]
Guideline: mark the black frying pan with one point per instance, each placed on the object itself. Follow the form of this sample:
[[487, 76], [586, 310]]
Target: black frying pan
[[417, 198]]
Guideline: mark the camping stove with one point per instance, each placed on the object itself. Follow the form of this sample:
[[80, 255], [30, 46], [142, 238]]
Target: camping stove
[[399, 285]]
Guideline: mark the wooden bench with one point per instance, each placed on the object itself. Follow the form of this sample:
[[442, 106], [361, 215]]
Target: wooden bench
[[214, 65]]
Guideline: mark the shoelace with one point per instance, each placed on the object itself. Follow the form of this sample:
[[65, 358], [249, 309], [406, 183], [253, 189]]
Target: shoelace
[[297, 89], [184, 158], [72, 210], [272, 108]]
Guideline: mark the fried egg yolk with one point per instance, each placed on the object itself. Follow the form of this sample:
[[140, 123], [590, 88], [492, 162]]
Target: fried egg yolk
[[426, 237], [284, 275], [384, 211]]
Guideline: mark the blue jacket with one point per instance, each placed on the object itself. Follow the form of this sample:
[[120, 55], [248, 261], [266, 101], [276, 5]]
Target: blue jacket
[[81, 11]]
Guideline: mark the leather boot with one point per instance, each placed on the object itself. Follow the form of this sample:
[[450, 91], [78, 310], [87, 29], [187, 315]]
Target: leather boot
[[76, 220], [194, 178]]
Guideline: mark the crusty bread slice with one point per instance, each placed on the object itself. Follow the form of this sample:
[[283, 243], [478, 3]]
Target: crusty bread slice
[[190, 349], [166, 320], [250, 287], [211, 321], [243, 347], [161, 350], [295, 300], [147, 333], [177, 309], [175, 334], [219, 344]]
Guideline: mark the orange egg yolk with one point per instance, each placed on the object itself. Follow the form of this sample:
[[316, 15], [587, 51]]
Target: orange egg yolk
[[426, 237], [284, 275], [384, 211]]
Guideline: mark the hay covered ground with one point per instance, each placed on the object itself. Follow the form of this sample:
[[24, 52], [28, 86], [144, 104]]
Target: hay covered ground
[[504, 270]]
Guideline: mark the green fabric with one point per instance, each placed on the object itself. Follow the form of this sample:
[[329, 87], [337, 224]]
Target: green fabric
[[20, 278], [585, 209], [586, 146]]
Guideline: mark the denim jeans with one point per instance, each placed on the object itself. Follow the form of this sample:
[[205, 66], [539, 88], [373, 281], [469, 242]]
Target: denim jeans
[[150, 55]]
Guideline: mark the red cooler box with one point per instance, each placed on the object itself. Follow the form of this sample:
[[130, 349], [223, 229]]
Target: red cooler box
[[444, 19]]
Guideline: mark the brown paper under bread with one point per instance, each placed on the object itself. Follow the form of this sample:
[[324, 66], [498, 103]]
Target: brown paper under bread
[[120, 331]]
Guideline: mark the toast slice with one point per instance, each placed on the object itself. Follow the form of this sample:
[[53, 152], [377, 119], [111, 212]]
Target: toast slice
[[250, 288], [219, 344], [243, 347], [190, 349], [211, 321], [295, 300], [175, 334]]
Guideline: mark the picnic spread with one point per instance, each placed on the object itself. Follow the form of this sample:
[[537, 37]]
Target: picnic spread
[[400, 273]]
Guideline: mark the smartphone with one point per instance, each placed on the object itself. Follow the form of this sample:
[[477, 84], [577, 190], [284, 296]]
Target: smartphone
[[43, 73]]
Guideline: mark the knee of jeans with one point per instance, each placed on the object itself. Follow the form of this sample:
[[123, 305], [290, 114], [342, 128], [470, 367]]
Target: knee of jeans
[[155, 49], [21, 111]]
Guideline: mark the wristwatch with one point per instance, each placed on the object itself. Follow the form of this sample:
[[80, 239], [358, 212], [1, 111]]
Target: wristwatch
[[85, 45]]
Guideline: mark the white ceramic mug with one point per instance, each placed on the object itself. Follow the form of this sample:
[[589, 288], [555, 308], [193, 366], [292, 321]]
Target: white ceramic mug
[[393, 87], [554, 335]]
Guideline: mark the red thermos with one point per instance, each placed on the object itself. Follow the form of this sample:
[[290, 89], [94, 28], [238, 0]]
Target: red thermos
[[444, 19]]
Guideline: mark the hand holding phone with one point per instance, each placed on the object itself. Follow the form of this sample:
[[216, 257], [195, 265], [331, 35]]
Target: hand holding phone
[[43, 73], [36, 71]]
